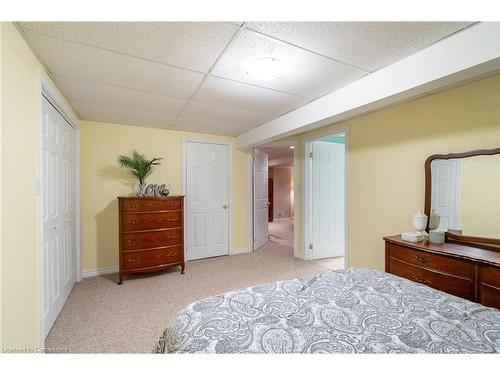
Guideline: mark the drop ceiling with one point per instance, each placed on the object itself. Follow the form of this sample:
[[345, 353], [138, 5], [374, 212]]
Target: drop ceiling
[[193, 76]]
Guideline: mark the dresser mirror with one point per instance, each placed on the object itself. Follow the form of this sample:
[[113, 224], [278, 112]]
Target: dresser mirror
[[464, 190]]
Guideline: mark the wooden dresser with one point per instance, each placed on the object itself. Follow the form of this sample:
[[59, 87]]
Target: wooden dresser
[[465, 271], [151, 234]]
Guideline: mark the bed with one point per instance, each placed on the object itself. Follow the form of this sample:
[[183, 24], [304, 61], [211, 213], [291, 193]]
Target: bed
[[350, 311]]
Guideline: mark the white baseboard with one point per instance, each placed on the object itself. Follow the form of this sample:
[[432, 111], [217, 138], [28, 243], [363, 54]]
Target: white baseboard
[[115, 269], [100, 271], [239, 251]]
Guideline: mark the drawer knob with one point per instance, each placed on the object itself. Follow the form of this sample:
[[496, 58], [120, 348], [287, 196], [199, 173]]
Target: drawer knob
[[132, 260], [172, 220], [421, 259], [133, 206], [132, 222], [173, 255], [418, 279]]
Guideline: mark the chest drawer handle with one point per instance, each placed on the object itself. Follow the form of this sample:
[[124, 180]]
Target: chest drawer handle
[[133, 206], [418, 279], [133, 222], [421, 259], [133, 260], [172, 255], [132, 241], [172, 220]]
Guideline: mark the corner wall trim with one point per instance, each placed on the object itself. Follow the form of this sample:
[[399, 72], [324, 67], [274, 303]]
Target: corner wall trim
[[239, 251], [100, 271]]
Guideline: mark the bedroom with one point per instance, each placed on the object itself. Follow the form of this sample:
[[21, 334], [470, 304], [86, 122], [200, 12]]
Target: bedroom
[[202, 97]]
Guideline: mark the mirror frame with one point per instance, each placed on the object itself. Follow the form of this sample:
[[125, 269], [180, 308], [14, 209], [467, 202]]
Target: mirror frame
[[481, 242]]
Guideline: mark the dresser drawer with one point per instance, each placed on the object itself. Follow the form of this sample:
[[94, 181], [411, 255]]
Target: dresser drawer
[[145, 204], [449, 284], [454, 266], [151, 258], [147, 221], [489, 296], [157, 238], [490, 275]]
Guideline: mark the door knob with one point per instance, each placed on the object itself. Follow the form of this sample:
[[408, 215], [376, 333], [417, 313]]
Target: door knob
[[225, 206], [268, 203]]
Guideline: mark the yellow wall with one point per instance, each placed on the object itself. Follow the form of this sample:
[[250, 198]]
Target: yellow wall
[[102, 181], [20, 308], [479, 201], [1, 241], [20, 294], [386, 154]]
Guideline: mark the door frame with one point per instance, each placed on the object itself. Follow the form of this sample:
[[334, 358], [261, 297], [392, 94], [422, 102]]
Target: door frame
[[307, 189], [46, 88], [185, 141], [251, 212]]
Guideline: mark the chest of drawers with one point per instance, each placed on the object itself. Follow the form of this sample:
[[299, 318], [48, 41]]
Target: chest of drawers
[[151, 234], [464, 271]]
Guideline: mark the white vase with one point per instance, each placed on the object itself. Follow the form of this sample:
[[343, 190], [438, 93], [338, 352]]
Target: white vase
[[141, 192], [434, 220], [419, 221]]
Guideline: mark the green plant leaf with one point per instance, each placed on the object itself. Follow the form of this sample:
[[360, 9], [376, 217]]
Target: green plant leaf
[[139, 166]]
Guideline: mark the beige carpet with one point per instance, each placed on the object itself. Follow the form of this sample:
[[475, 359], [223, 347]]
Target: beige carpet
[[101, 316]]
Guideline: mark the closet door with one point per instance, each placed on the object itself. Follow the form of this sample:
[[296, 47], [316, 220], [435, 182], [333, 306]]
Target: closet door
[[207, 200], [58, 212]]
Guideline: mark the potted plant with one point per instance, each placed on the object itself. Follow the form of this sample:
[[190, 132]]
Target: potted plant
[[139, 166]]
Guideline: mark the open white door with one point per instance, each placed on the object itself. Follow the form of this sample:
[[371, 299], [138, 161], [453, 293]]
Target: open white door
[[328, 199], [207, 200], [261, 198], [445, 192], [58, 212]]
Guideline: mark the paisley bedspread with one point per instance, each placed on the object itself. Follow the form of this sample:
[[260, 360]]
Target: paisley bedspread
[[351, 311]]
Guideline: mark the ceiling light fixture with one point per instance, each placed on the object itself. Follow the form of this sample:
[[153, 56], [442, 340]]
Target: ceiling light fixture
[[265, 69]]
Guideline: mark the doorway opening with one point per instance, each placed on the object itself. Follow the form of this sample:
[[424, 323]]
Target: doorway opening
[[326, 200], [274, 188]]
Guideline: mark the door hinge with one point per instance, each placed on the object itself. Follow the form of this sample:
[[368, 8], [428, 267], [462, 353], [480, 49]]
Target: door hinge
[[310, 246], [311, 155]]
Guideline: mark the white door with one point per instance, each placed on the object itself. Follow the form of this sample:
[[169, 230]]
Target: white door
[[328, 199], [207, 200], [445, 192], [261, 198], [58, 212]]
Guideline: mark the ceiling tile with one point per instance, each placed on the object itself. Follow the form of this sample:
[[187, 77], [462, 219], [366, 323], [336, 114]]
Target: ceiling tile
[[119, 115], [97, 93], [217, 119], [248, 97], [192, 45], [207, 111], [303, 73], [98, 65], [210, 127], [368, 45]]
